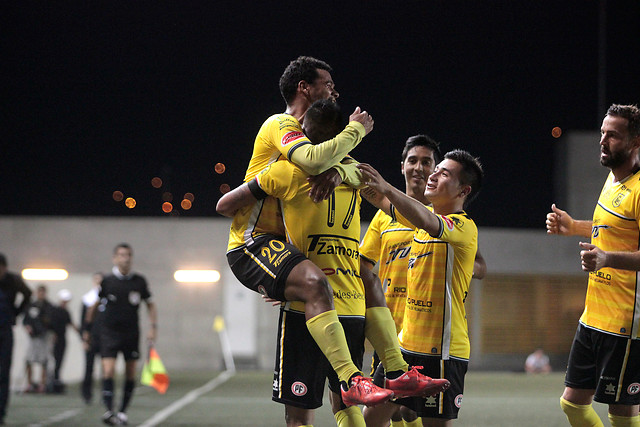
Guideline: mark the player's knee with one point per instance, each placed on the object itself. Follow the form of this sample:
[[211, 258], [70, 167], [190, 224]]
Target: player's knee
[[317, 288], [580, 415]]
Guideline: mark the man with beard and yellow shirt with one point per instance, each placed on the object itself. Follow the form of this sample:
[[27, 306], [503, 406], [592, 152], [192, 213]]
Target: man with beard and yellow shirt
[[604, 362]]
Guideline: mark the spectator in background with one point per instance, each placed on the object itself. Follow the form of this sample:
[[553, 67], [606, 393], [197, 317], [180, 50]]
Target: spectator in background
[[37, 321], [537, 363], [92, 333], [10, 286], [60, 319]]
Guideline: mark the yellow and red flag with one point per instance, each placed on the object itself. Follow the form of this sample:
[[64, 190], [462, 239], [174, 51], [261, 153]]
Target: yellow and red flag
[[154, 374]]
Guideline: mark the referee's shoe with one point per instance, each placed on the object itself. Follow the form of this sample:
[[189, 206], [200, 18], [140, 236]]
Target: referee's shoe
[[364, 392], [413, 383]]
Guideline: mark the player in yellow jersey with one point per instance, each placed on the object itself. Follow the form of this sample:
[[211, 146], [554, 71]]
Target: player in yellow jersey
[[434, 328], [389, 242], [257, 253], [604, 362], [328, 234]]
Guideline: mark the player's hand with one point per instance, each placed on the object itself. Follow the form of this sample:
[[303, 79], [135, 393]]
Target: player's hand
[[274, 302], [151, 336], [323, 185], [559, 222], [593, 258], [364, 118], [373, 179], [371, 196]]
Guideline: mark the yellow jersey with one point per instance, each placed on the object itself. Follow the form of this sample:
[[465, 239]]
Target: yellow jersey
[[613, 296], [389, 242], [281, 135], [439, 275], [327, 233]]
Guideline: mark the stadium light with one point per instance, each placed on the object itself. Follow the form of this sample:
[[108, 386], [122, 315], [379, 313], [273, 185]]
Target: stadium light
[[45, 274], [196, 276]]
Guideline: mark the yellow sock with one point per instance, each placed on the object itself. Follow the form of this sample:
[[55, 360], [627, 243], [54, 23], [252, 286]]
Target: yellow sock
[[350, 417], [415, 423], [397, 423], [580, 415], [327, 331], [380, 330], [618, 421]]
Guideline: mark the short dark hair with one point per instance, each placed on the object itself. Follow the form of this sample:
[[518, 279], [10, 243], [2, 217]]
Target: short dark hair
[[422, 141], [302, 68], [629, 112], [472, 173], [122, 245], [323, 121], [3, 260]]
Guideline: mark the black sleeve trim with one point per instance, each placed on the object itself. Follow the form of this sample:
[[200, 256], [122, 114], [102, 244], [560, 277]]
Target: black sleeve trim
[[255, 189], [295, 147]]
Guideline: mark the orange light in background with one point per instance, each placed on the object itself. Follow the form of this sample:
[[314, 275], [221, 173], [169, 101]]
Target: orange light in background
[[186, 204], [219, 167], [167, 197], [130, 202], [189, 196], [224, 188], [556, 132], [167, 207], [118, 196], [156, 182]]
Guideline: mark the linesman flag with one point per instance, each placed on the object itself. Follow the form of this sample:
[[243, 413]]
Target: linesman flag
[[154, 374]]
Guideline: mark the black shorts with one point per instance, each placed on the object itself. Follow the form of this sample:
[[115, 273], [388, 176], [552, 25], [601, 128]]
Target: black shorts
[[445, 405], [301, 368], [264, 266], [126, 342], [606, 363]]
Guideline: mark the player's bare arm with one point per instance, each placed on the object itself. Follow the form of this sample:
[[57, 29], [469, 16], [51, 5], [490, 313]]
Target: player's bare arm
[[234, 200], [560, 222], [414, 211]]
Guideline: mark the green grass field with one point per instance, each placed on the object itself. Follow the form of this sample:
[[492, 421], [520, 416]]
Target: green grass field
[[492, 399]]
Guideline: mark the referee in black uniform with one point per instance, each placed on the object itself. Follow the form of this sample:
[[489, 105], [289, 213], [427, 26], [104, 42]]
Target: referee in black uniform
[[121, 294]]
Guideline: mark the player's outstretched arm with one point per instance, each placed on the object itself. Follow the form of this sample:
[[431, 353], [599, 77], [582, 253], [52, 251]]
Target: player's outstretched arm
[[412, 210], [234, 200], [315, 159], [560, 222]]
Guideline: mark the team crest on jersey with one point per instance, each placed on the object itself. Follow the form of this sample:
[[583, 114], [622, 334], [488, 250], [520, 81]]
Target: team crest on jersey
[[448, 222], [134, 298], [290, 137], [618, 199], [458, 401], [634, 388], [299, 388]]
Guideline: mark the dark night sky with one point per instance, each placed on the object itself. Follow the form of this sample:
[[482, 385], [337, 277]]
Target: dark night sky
[[105, 96]]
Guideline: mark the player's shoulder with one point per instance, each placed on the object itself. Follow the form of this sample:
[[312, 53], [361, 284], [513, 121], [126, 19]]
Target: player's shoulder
[[460, 220], [283, 121]]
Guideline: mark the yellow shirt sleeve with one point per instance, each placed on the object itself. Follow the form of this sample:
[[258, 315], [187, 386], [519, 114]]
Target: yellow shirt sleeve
[[315, 159]]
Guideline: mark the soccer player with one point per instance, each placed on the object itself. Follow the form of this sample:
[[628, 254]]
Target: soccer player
[[258, 254], [327, 232], [434, 328], [604, 362], [121, 292], [389, 242]]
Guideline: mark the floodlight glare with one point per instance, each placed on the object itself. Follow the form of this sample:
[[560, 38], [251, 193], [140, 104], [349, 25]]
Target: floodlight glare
[[45, 274], [196, 276]]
